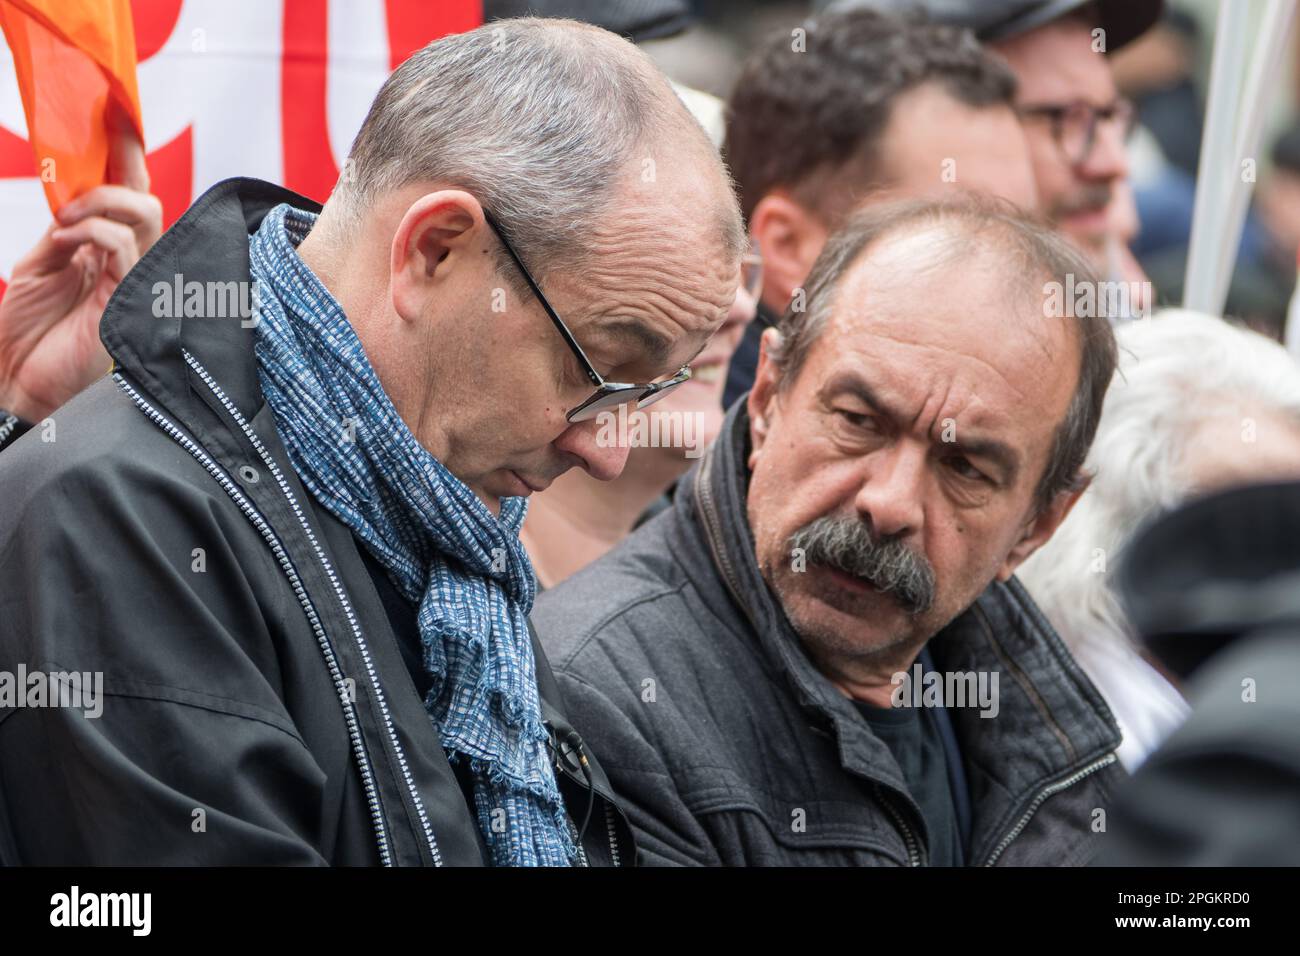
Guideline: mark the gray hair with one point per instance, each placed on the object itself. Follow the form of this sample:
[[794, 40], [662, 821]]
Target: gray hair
[[537, 118], [1174, 369], [1033, 253]]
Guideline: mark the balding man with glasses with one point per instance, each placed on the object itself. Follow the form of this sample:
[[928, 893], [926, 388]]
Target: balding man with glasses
[[282, 546]]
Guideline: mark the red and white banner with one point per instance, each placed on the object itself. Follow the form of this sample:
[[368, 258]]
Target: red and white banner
[[275, 89]]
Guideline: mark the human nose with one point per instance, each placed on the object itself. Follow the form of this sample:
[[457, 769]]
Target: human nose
[[596, 446], [1108, 158], [891, 492]]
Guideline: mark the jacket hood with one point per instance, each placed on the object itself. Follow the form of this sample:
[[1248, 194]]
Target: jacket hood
[[180, 297]]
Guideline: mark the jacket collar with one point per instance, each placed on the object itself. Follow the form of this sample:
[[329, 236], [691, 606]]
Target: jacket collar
[[145, 327], [1051, 721]]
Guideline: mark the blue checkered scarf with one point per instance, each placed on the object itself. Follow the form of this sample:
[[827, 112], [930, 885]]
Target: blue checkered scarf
[[439, 543]]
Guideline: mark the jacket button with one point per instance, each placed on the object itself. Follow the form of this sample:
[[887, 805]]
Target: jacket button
[[248, 474]]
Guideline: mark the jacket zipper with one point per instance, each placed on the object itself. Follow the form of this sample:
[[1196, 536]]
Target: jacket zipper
[[1057, 787], [611, 815], [577, 843], [611, 829], [713, 535], [375, 685], [909, 839], [282, 558]]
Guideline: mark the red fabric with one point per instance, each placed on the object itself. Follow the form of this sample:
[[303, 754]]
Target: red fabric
[[309, 166], [99, 44]]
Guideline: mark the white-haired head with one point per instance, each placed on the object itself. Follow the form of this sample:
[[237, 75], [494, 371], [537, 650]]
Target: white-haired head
[[1196, 403]]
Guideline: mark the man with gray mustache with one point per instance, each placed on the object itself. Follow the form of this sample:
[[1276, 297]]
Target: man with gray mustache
[[888, 565], [778, 670]]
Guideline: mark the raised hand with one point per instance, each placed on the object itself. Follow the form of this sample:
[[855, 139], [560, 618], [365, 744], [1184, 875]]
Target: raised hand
[[49, 316]]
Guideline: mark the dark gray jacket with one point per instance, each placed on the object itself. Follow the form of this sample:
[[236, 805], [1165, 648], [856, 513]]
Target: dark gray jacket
[[726, 746], [257, 706]]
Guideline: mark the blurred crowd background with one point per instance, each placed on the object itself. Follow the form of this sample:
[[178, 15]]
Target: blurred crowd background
[[198, 57], [1165, 73]]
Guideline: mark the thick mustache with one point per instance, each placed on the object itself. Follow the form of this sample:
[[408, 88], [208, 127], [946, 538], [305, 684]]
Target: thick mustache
[[887, 564]]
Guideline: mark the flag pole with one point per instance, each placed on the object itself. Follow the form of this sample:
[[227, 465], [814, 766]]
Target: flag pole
[[1214, 177], [1264, 64]]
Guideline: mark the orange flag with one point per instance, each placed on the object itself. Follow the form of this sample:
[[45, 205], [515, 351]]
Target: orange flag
[[75, 61]]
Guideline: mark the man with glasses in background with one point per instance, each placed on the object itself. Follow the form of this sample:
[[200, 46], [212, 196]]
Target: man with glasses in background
[[285, 543], [1075, 120]]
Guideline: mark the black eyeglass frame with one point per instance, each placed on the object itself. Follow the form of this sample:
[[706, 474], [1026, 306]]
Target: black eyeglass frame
[[650, 391], [1056, 113]]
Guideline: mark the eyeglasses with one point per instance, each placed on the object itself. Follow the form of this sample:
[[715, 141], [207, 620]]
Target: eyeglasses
[[1074, 125], [608, 395]]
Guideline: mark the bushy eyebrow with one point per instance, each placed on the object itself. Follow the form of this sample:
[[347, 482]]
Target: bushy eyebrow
[[995, 451], [858, 386]]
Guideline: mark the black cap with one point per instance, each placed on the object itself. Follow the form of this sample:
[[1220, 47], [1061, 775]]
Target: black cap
[[993, 20], [638, 20]]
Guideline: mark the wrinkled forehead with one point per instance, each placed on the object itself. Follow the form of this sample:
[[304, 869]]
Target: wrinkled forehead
[[936, 313], [660, 281]]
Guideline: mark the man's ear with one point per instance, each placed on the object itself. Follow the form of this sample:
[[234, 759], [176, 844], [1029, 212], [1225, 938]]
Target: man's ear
[[1042, 526], [438, 232], [763, 396], [790, 239]]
